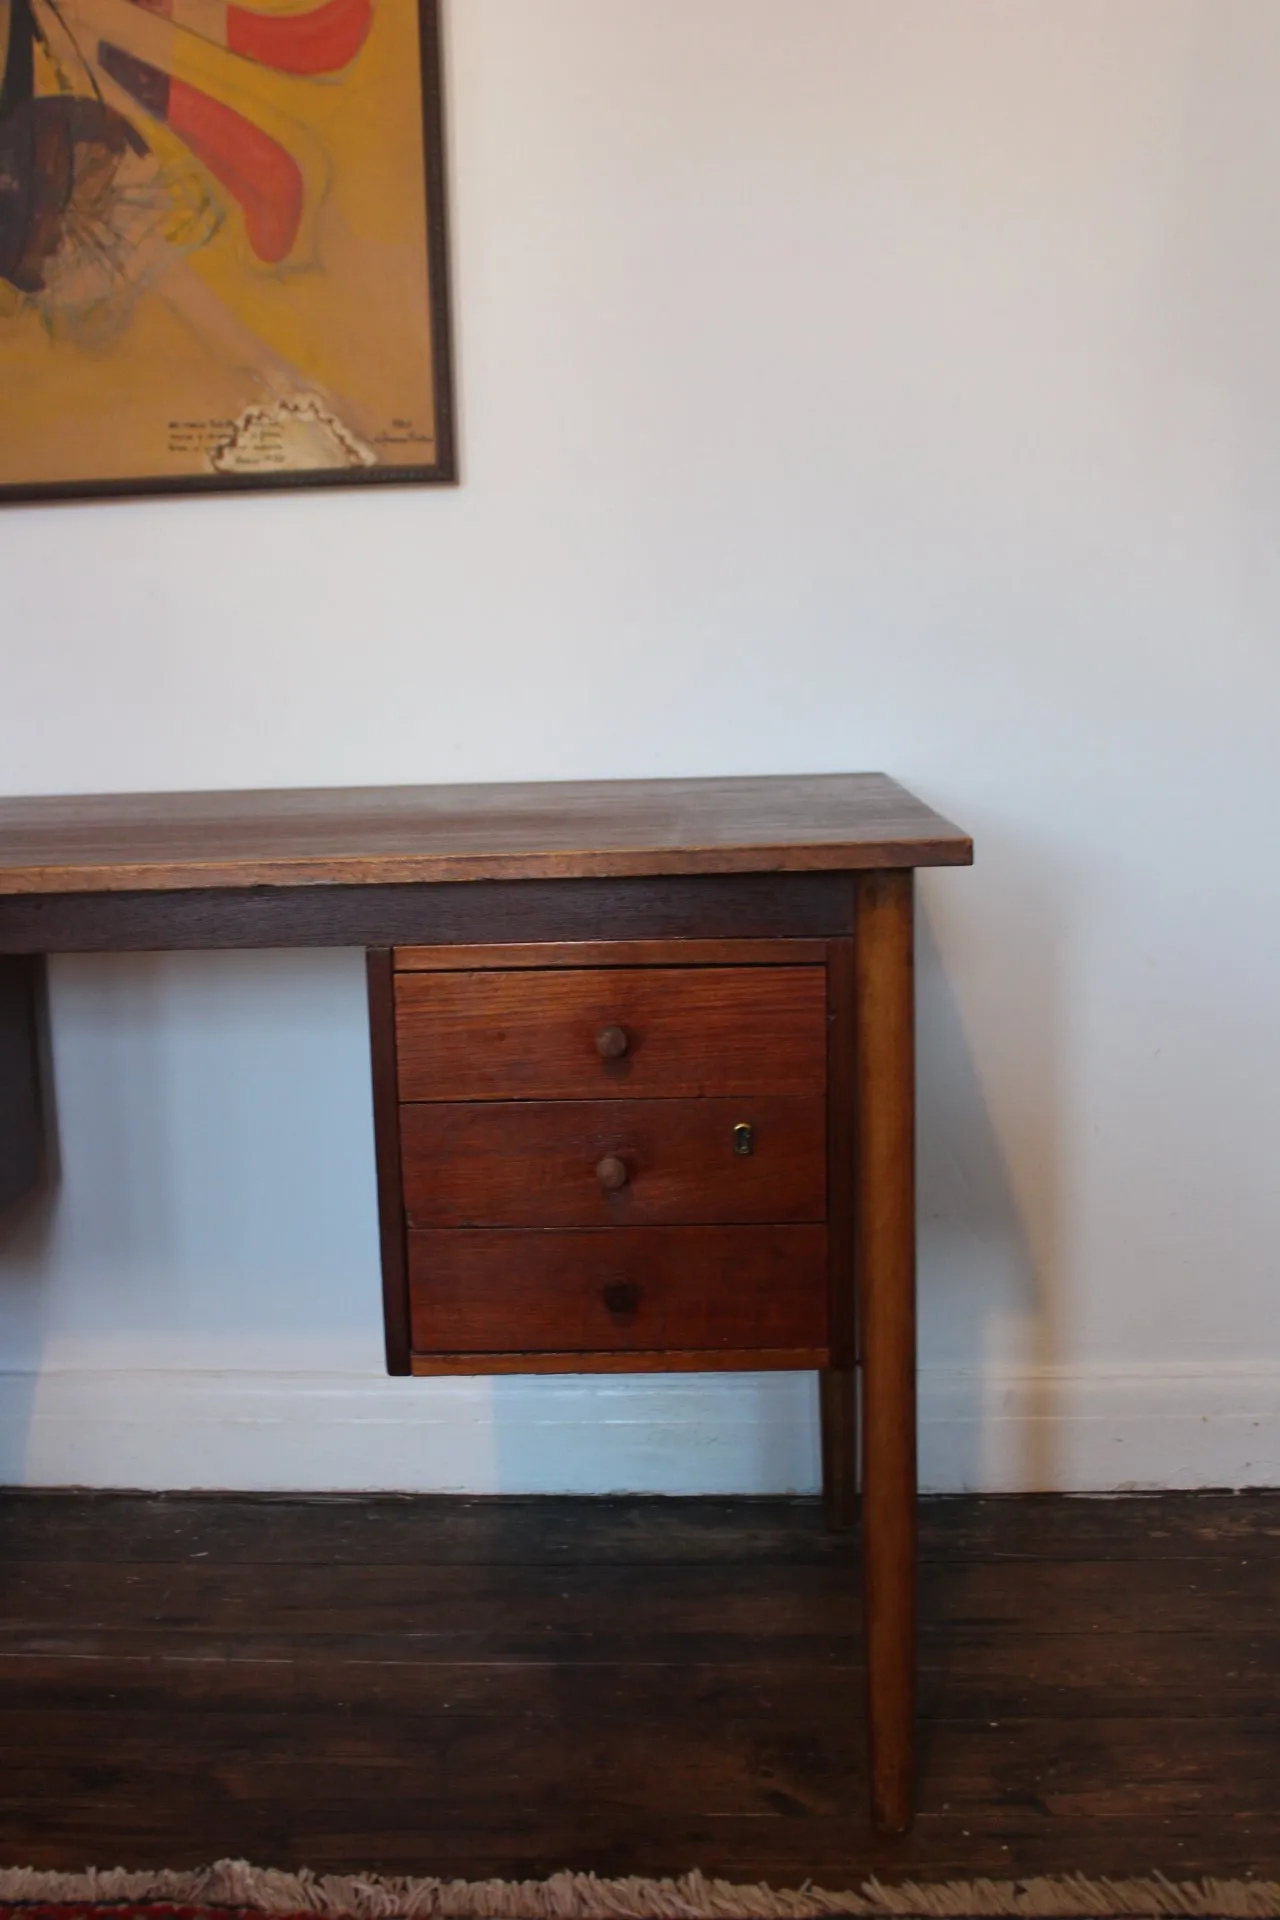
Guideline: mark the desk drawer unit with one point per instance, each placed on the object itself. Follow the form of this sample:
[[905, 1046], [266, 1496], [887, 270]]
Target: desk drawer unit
[[619, 1158]]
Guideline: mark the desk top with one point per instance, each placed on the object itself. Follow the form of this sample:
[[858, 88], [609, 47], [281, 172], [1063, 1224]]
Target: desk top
[[380, 836]]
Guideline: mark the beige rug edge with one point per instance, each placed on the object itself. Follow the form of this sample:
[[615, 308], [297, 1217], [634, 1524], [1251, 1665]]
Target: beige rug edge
[[581, 1896]]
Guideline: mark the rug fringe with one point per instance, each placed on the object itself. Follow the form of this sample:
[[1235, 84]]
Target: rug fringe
[[582, 1896]]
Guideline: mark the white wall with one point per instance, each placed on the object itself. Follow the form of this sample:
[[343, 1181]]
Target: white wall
[[843, 385]]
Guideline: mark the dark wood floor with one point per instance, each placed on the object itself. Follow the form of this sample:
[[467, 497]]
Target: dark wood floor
[[514, 1686]]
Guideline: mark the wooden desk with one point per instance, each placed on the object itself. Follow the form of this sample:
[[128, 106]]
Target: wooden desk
[[643, 1076]]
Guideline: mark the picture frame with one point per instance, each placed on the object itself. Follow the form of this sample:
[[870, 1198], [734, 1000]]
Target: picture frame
[[224, 257]]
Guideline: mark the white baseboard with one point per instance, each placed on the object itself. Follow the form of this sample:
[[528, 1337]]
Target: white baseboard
[[330, 1432], [1100, 1429], [1054, 1429]]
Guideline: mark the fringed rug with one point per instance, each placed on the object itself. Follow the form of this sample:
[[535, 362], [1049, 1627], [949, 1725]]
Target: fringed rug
[[233, 1890]]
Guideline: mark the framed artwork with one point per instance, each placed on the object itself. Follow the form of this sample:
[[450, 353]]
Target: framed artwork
[[223, 258]]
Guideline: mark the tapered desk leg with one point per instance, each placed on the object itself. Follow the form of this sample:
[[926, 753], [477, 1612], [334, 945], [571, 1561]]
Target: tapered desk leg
[[838, 1406], [22, 1147], [885, 1080]]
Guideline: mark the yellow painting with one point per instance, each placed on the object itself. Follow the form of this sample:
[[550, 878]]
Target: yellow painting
[[222, 256]]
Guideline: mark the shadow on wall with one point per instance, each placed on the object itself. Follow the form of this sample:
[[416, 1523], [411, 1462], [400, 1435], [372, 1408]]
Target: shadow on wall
[[989, 1213], [150, 1223], [673, 1433], [989, 1180]]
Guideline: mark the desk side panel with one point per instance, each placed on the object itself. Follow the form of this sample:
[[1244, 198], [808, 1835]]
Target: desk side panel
[[386, 1132]]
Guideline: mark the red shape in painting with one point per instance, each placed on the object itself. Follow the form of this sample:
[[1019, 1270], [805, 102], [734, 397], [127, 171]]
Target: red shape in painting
[[250, 164], [321, 41]]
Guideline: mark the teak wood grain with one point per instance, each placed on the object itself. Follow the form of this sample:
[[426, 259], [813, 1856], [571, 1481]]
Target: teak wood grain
[[620, 1287], [532, 1163], [754, 906], [687, 1031], [632, 1360], [885, 1263], [612, 953], [364, 836], [623, 865]]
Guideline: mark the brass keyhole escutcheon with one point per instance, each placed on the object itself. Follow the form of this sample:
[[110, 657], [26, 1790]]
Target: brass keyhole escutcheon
[[744, 1138]]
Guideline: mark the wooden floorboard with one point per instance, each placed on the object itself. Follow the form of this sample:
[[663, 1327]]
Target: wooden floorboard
[[634, 1686]]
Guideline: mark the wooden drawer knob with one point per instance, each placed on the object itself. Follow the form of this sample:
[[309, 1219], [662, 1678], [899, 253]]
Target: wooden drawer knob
[[621, 1297], [611, 1043], [612, 1173]]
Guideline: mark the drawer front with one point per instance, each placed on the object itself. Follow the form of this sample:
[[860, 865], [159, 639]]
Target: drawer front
[[619, 1290], [586, 1034], [554, 1164]]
